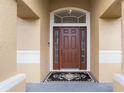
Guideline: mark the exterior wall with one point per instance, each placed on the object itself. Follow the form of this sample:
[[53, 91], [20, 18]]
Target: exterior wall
[[28, 34], [14, 83], [98, 8], [32, 72], [19, 88], [110, 34], [109, 40], [8, 12], [118, 87], [55, 4], [118, 80], [41, 8], [107, 70], [28, 39]]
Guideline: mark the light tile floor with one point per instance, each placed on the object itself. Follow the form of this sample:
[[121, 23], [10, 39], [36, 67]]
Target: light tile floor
[[69, 87]]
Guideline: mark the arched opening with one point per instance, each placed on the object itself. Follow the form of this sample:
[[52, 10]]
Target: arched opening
[[76, 21]]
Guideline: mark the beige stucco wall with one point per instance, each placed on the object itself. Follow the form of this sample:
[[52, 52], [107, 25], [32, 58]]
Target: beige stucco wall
[[28, 34], [98, 8], [8, 10], [117, 87], [56, 4], [109, 40], [41, 8], [28, 39], [110, 34], [32, 72], [107, 70], [21, 87]]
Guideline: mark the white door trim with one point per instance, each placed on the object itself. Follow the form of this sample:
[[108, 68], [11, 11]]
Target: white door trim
[[87, 24]]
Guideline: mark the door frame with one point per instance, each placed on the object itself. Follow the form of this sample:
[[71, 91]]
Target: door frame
[[87, 25]]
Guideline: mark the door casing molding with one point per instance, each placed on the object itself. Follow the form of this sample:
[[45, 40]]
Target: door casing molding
[[52, 24]]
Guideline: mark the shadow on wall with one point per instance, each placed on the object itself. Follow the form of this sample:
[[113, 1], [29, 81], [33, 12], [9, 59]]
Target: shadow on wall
[[28, 42], [110, 48]]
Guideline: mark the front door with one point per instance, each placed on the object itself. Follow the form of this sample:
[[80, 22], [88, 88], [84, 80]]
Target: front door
[[68, 48]]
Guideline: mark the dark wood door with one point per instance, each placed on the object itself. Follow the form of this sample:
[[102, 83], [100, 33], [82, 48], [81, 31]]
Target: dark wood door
[[70, 47]]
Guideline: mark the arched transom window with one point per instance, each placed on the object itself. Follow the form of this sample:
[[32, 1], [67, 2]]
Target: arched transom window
[[70, 16]]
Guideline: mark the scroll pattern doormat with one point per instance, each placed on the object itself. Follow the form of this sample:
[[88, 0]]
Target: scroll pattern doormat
[[70, 77]]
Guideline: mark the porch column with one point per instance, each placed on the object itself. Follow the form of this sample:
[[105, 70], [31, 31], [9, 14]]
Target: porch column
[[118, 79], [122, 36]]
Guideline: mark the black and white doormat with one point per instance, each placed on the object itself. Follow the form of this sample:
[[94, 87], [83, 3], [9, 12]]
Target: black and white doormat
[[70, 77]]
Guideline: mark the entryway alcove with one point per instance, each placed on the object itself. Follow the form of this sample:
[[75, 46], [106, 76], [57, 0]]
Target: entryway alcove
[[70, 39]]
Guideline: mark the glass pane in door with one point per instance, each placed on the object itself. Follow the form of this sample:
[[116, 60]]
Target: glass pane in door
[[83, 47], [56, 50]]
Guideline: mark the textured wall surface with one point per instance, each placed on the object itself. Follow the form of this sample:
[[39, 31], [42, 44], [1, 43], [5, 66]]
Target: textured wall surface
[[28, 34], [56, 4], [97, 9], [8, 11], [41, 8], [110, 34]]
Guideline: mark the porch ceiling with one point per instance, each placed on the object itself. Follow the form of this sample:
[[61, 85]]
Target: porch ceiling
[[24, 11], [114, 11]]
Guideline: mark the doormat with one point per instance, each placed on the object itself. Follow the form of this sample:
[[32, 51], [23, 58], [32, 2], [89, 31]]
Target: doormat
[[70, 77]]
